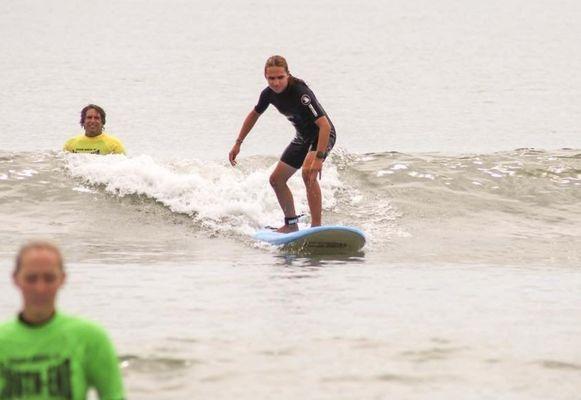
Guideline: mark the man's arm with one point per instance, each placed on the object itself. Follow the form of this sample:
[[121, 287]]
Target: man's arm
[[116, 146], [324, 133], [247, 126], [103, 370], [69, 145]]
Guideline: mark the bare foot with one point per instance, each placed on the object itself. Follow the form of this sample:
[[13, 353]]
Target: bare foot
[[288, 228]]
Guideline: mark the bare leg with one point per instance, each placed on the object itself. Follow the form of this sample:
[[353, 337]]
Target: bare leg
[[278, 180], [313, 191]]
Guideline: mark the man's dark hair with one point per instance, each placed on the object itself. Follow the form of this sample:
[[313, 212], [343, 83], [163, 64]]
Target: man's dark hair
[[94, 107]]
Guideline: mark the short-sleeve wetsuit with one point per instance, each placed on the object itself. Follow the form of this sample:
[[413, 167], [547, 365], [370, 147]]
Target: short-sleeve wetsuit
[[299, 104], [60, 359]]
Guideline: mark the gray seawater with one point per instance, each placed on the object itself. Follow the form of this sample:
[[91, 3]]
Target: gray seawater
[[468, 285], [459, 155]]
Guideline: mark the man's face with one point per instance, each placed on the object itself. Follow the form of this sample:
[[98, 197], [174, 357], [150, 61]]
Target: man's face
[[277, 78], [39, 278], [93, 124]]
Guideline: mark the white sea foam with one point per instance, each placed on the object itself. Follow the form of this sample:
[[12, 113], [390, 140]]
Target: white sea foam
[[217, 196], [83, 189]]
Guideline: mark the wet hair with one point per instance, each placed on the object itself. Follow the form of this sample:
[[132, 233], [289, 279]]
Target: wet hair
[[280, 61], [93, 107], [37, 245], [276, 61]]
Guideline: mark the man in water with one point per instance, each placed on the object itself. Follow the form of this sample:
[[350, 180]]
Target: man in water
[[94, 141], [45, 354]]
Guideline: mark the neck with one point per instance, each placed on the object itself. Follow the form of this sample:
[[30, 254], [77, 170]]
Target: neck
[[37, 316], [93, 134]]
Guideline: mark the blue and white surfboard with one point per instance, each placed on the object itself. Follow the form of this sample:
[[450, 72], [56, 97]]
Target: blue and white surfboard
[[326, 238]]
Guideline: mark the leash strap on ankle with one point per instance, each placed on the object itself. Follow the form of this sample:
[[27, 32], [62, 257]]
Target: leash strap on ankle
[[291, 220]]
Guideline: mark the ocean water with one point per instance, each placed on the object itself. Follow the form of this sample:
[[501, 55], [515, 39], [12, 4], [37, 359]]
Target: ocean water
[[458, 153]]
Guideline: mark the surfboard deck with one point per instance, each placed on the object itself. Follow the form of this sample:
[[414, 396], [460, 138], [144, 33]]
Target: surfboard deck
[[319, 238]]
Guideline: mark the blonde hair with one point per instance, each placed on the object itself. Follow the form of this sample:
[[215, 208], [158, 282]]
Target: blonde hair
[[37, 245], [280, 61], [276, 61]]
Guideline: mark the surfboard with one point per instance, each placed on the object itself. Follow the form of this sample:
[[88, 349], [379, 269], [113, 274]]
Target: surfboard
[[320, 238]]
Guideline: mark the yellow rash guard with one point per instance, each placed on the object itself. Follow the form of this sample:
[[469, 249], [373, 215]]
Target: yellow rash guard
[[102, 144]]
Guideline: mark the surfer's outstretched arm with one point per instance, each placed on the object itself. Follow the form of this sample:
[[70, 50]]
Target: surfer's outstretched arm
[[247, 125]]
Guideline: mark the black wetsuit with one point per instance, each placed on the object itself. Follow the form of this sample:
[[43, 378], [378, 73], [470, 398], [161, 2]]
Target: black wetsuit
[[298, 103]]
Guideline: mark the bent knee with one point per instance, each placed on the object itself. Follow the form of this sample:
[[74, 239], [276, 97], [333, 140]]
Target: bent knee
[[276, 181], [309, 178]]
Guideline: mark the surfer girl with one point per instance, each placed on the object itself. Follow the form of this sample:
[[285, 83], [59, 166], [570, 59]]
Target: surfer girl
[[315, 137]]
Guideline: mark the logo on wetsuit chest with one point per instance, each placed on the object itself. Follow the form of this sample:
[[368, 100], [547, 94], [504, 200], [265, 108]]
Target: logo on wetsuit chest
[[305, 99]]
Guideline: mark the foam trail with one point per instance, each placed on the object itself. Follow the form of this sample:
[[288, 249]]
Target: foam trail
[[218, 197]]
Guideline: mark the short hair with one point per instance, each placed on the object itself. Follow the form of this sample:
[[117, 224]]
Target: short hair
[[37, 245], [93, 107]]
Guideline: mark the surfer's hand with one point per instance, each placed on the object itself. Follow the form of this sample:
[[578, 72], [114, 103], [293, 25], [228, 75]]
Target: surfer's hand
[[315, 169], [318, 168], [233, 153]]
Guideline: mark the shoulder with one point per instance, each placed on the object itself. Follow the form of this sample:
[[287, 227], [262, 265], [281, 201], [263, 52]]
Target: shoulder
[[75, 138], [302, 93], [266, 93], [115, 144], [8, 329], [81, 326], [300, 86], [79, 323], [300, 89], [110, 138], [11, 338], [72, 143]]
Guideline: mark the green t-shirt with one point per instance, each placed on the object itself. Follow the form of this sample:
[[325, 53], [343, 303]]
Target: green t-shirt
[[102, 144], [61, 359]]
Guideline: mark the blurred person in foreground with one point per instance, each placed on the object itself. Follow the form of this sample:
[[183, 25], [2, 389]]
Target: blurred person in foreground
[[45, 354]]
